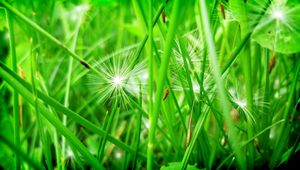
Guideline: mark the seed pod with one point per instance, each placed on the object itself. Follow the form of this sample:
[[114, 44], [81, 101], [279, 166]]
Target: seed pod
[[272, 64], [22, 75], [222, 10], [256, 144], [163, 16], [166, 93], [225, 127], [235, 115], [86, 65], [188, 137]]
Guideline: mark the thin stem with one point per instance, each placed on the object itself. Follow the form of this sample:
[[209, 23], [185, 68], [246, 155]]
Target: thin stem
[[138, 132], [68, 84], [107, 127], [16, 109], [225, 105], [40, 123], [22, 154], [50, 117], [150, 60], [284, 129], [161, 80], [49, 36], [24, 88]]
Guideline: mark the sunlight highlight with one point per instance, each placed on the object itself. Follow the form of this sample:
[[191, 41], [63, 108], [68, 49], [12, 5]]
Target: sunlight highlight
[[278, 14], [117, 81]]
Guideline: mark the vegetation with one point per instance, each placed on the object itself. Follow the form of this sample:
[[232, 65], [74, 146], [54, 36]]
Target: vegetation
[[111, 84]]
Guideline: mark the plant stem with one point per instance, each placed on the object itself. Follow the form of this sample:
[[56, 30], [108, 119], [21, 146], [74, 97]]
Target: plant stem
[[246, 66], [39, 120], [138, 132], [161, 81], [68, 84], [50, 117], [150, 61], [225, 105], [16, 109], [107, 128], [24, 88], [285, 128], [22, 154], [49, 36]]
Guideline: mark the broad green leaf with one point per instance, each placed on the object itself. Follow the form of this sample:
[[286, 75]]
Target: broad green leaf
[[279, 29], [274, 24]]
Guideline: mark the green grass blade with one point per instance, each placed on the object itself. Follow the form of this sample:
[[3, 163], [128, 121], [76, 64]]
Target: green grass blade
[[15, 95], [52, 119], [59, 107], [225, 105], [161, 81], [107, 127], [284, 129], [49, 36], [40, 123], [22, 154]]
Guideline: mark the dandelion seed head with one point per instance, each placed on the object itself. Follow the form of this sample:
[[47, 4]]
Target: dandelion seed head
[[196, 88], [119, 78], [241, 103], [117, 81], [70, 153], [147, 123]]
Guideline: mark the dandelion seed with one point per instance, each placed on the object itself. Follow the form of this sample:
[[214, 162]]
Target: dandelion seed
[[196, 87], [120, 78], [242, 106], [272, 64], [70, 153], [241, 103], [117, 81]]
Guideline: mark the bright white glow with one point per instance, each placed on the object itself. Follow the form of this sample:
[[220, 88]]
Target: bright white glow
[[118, 155], [196, 88], [82, 8], [117, 81], [241, 103], [70, 153], [277, 14]]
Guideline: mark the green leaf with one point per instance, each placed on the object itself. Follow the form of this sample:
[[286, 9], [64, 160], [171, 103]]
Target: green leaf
[[279, 29], [2, 19], [275, 25], [177, 165]]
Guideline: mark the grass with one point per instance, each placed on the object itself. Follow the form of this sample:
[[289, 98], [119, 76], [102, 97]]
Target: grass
[[149, 85]]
